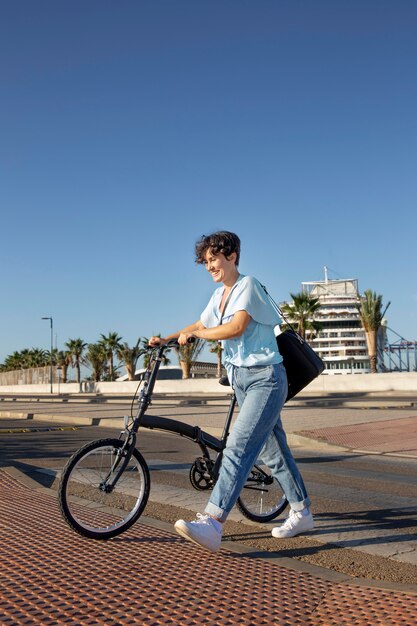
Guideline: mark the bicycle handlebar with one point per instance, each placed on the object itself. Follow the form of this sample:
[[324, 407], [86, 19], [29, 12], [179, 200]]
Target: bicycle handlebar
[[171, 343]]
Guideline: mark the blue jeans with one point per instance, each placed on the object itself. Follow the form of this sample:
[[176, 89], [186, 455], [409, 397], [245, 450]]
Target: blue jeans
[[257, 433]]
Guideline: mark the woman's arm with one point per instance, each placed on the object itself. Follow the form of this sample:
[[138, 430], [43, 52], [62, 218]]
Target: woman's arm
[[235, 328]]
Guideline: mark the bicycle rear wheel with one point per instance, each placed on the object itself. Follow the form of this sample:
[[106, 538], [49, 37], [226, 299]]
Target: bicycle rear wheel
[[262, 498], [88, 501]]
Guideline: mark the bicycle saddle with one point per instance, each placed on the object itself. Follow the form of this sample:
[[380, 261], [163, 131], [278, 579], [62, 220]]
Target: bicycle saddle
[[224, 381]]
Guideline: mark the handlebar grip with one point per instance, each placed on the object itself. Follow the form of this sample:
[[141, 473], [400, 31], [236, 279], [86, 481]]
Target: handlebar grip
[[173, 343]]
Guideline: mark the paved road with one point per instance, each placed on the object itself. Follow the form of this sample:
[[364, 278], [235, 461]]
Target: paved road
[[364, 504]]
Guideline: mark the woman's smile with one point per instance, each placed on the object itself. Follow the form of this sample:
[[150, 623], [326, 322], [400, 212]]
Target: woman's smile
[[222, 269]]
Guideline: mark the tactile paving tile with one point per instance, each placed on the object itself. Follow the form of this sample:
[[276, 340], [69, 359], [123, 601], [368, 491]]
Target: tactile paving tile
[[51, 575], [365, 607]]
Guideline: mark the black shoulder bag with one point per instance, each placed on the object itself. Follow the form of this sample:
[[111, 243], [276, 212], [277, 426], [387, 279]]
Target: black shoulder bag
[[300, 361]]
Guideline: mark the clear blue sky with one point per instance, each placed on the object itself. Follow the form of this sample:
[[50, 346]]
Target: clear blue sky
[[131, 128]]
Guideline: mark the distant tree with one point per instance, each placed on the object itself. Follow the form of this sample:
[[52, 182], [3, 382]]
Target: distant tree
[[216, 348], [39, 357], [301, 313], [26, 358], [111, 344], [147, 353], [371, 316], [188, 354], [14, 361], [129, 357], [35, 357], [63, 360], [76, 349], [96, 356]]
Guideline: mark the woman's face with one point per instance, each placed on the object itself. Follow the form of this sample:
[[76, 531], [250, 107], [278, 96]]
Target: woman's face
[[222, 269]]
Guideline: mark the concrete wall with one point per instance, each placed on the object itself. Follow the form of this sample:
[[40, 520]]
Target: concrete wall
[[367, 383], [358, 383]]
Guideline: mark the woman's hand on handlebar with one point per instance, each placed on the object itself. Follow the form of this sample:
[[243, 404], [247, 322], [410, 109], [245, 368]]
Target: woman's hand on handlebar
[[186, 338], [157, 341]]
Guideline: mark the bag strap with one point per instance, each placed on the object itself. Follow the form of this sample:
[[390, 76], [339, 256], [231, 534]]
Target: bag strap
[[224, 310], [226, 303], [278, 309]]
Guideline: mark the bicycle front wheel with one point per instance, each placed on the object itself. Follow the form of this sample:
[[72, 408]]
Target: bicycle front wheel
[[91, 501], [262, 498]]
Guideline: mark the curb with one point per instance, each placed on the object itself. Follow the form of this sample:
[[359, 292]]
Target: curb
[[222, 398]]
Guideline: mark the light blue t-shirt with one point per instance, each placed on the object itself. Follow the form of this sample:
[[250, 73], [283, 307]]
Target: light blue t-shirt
[[257, 345]]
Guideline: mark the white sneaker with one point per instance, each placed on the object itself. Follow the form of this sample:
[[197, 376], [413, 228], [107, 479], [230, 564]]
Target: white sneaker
[[295, 524], [204, 531]]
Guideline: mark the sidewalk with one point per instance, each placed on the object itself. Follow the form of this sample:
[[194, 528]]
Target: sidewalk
[[52, 576], [395, 437]]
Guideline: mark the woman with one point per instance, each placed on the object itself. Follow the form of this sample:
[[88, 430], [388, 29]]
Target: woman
[[241, 316]]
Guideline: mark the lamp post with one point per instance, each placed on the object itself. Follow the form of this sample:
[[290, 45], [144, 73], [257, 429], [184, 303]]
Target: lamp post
[[52, 345]]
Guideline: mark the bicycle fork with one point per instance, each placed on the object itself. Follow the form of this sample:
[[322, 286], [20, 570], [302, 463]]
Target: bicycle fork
[[123, 456]]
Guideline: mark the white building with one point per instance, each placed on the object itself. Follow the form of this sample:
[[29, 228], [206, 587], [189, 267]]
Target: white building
[[341, 343]]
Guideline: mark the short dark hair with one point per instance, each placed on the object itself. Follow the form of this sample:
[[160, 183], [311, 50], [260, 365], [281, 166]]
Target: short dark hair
[[222, 241]]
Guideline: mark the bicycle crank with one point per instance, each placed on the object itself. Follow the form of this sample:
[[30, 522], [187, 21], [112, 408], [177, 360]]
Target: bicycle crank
[[201, 474]]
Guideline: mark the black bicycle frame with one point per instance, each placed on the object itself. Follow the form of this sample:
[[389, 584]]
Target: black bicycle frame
[[203, 439], [155, 422]]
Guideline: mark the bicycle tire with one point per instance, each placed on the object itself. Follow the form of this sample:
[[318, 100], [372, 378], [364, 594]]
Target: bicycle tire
[[261, 499], [86, 507]]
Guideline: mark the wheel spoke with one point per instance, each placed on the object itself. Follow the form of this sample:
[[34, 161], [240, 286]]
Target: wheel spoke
[[262, 498]]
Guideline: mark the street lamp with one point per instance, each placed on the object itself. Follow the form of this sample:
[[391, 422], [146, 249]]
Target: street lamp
[[52, 344]]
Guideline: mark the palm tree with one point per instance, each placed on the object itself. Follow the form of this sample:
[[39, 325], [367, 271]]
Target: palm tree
[[188, 354], [76, 348], [39, 357], [147, 353], [129, 357], [111, 343], [371, 316], [63, 360], [26, 358], [216, 348], [301, 313], [14, 361], [96, 356]]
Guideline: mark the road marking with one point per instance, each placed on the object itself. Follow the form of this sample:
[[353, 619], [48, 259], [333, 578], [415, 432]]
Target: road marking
[[14, 431]]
